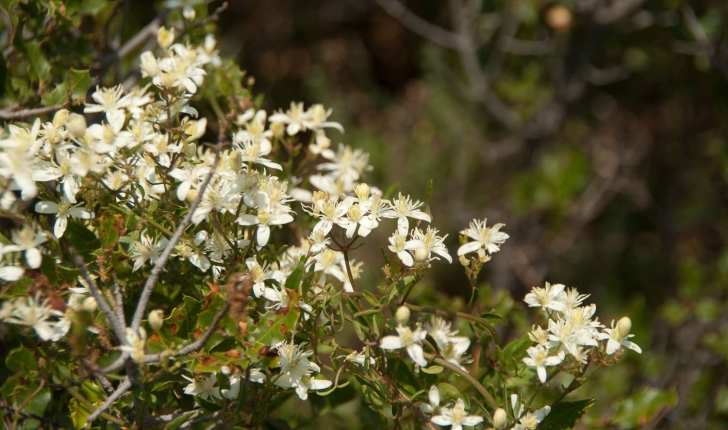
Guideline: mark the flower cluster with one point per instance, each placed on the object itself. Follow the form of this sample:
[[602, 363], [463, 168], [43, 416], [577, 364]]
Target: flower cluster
[[571, 329]]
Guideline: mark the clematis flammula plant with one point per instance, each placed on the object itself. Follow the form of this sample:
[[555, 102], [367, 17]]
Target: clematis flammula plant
[[203, 386], [456, 417], [539, 358], [63, 210], [485, 239], [408, 339]]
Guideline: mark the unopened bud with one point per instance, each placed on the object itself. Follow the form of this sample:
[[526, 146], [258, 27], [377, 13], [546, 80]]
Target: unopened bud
[[149, 65], [500, 419], [60, 118], [421, 254], [402, 315], [235, 161], [559, 18], [76, 125], [89, 304], [624, 326], [156, 319], [165, 38], [464, 260], [362, 191]]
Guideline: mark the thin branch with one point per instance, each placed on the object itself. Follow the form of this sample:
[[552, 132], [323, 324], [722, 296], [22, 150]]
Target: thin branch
[[119, 297], [116, 365], [6, 114], [429, 31], [159, 265], [116, 325], [148, 31], [699, 34], [474, 382], [196, 345], [120, 391]]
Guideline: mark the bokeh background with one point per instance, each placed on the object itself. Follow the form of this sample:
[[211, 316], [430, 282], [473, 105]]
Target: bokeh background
[[595, 130]]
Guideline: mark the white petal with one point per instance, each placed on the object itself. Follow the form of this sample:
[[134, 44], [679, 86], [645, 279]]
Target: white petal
[[469, 247], [390, 342], [33, 257]]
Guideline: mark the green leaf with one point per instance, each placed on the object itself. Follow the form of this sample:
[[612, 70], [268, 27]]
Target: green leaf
[[177, 422], [21, 360], [82, 239], [274, 327], [517, 348], [183, 320], [565, 415], [37, 59], [294, 280], [432, 370]]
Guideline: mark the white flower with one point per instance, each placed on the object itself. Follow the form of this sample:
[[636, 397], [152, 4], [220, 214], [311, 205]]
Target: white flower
[[549, 297], [618, 336], [296, 370], [434, 398], [456, 417], [264, 219], [530, 420], [432, 244], [35, 313], [294, 117], [135, 344], [487, 238], [401, 247], [203, 386], [27, 239], [63, 210], [252, 151], [404, 208], [358, 358], [147, 249], [109, 100], [539, 358], [407, 339], [262, 273]]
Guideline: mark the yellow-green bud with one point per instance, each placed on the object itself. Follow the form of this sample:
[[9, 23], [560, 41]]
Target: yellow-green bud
[[156, 319], [60, 118], [624, 325], [165, 38], [76, 125], [500, 419], [402, 315], [464, 260], [421, 254], [278, 129], [149, 64], [89, 304]]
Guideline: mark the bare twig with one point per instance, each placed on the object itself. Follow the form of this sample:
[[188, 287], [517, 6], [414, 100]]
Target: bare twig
[[7, 114], [119, 298], [116, 325], [159, 265], [429, 31], [120, 391], [706, 46]]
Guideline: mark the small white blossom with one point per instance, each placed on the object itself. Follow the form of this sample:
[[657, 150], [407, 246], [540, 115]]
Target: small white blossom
[[410, 341], [484, 238]]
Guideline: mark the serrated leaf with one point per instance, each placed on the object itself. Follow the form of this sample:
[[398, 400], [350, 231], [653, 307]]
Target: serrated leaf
[[21, 360], [37, 59], [565, 415]]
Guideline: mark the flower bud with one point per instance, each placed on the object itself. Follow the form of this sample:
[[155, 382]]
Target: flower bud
[[624, 325], [89, 304], [149, 65], [165, 38], [156, 319], [60, 118], [421, 254], [464, 260], [402, 315], [559, 18], [500, 419], [76, 125], [235, 162], [362, 191]]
